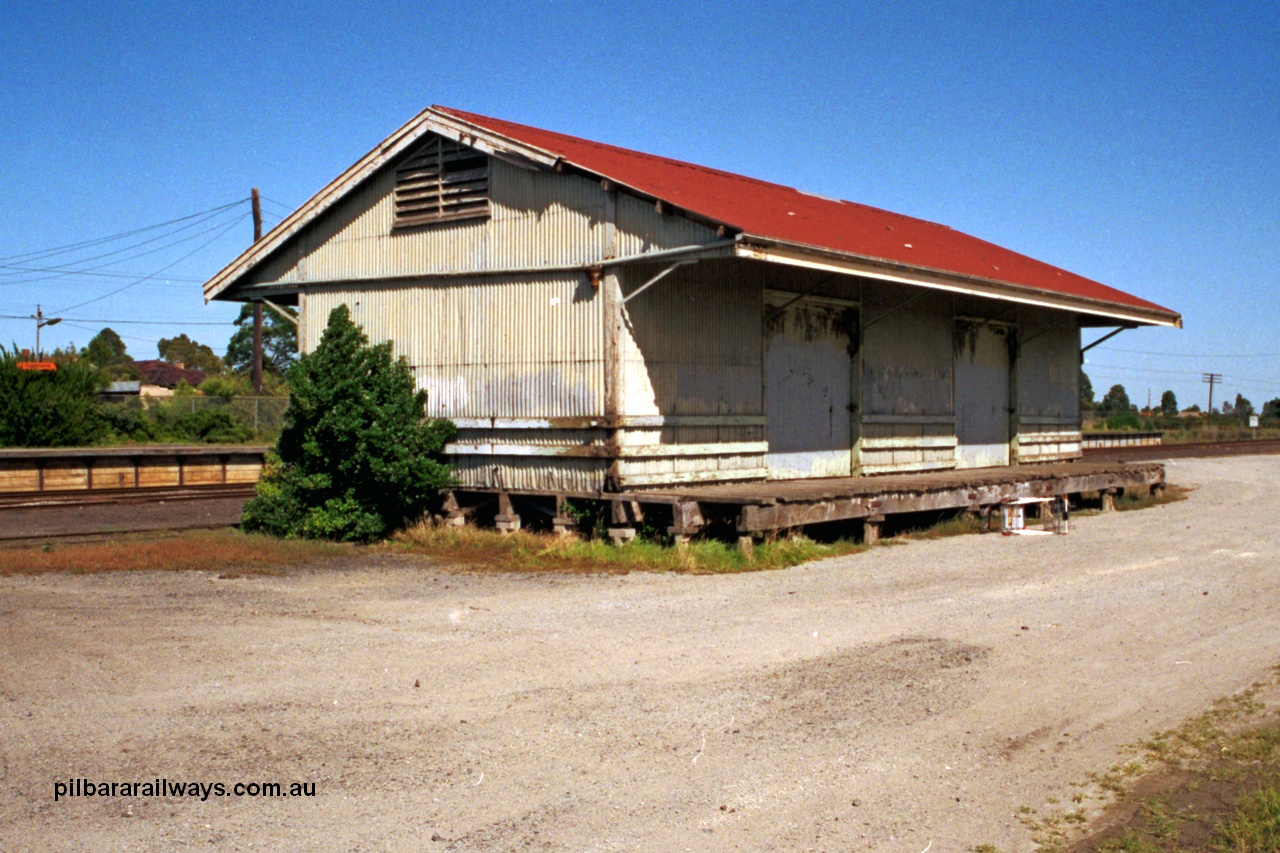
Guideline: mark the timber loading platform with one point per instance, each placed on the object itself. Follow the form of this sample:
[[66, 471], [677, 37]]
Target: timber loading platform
[[758, 509]]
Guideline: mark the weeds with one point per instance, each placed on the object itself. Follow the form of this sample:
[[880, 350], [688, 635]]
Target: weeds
[[1255, 826], [1137, 500], [522, 551], [1206, 764]]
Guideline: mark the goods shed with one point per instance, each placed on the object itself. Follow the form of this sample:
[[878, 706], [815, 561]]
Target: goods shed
[[598, 320]]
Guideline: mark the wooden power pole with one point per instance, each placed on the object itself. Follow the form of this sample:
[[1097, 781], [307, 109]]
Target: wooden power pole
[[257, 306], [1212, 379]]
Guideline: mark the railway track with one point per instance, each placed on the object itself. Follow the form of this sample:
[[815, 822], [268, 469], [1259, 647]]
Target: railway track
[[86, 497]]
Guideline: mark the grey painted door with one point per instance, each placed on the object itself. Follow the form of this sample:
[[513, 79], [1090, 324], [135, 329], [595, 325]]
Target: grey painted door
[[982, 395], [808, 375]]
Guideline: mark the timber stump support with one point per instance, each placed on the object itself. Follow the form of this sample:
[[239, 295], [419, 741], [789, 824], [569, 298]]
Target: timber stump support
[[454, 515], [1157, 490], [621, 527], [561, 523], [747, 545], [1109, 499], [507, 520], [871, 529], [686, 521]]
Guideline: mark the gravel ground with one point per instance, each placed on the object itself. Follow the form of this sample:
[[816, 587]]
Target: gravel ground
[[912, 696]]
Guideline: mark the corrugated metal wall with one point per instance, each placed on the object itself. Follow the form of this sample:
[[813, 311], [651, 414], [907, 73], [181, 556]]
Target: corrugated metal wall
[[484, 348], [691, 353], [538, 219], [908, 411], [1048, 388]]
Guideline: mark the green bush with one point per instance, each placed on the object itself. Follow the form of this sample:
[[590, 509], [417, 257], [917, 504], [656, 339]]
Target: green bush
[[129, 423], [212, 426], [1124, 419], [55, 408], [356, 458]]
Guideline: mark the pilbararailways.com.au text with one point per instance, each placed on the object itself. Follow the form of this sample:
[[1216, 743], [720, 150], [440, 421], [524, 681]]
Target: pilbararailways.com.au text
[[192, 790]]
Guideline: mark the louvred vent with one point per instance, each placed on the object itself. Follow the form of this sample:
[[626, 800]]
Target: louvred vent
[[442, 180]]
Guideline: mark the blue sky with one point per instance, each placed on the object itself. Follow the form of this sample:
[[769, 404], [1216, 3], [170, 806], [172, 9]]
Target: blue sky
[[1137, 144]]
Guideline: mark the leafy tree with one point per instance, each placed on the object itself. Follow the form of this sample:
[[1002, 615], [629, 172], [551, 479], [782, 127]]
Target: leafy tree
[[1271, 408], [356, 457], [1116, 400], [107, 352], [190, 354], [1169, 403], [279, 342], [56, 408], [1226, 407], [1243, 408], [1194, 407], [106, 348], [1087, 403], [226, 386]]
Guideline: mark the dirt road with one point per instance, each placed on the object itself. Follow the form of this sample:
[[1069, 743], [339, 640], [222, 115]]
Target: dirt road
[[914, 695]]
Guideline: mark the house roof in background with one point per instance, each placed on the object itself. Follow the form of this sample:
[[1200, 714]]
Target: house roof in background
[[158, 372]]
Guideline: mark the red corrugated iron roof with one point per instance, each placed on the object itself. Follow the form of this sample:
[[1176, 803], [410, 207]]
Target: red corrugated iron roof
[[774, 212]]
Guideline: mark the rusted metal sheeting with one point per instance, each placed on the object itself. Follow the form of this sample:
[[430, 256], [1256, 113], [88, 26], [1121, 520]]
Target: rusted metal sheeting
[[908, 415], [1047, 385], [531, 473], [483, 348], [982, 378], [808, 382]]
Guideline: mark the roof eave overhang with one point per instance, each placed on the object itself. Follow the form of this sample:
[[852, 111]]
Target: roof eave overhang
[[427, 121], [761, 248]]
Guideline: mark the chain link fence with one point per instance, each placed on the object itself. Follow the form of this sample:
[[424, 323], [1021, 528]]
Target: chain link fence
[[263, 415]]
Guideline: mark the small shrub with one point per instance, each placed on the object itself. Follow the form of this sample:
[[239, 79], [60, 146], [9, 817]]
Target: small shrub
[[356, 458]]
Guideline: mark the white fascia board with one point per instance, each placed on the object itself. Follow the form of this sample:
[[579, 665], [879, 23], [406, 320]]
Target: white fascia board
[[427, 121], [764, 249]]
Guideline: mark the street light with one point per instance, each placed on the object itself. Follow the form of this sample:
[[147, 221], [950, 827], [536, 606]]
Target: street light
[[41, 322]]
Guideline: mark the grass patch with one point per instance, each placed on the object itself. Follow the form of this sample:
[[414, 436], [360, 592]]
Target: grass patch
[[1137, 500], [961, 524], [522, 551], [1211, 784], [1255, 826], [201, 550]]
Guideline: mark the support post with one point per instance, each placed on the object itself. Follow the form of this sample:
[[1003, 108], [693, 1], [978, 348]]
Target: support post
[[871, 529], [453, 514], [747, 545], [257, 306], [621, 530], [561, 523], [686, 521], [1108, 500], [507, 520]]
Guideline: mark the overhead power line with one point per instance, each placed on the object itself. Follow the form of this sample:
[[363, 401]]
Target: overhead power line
[[123, 322], [220, 232], [71, 247], [71, 268]]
